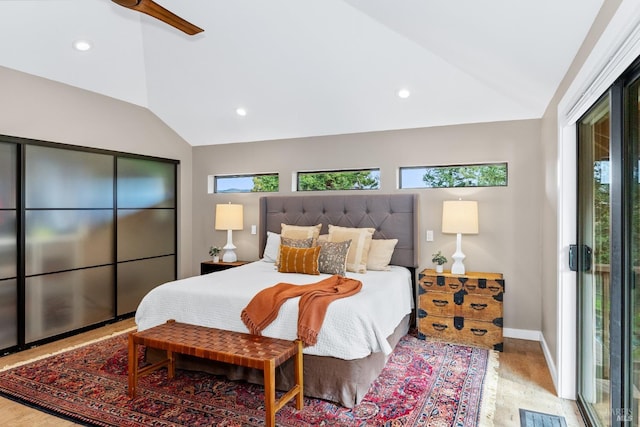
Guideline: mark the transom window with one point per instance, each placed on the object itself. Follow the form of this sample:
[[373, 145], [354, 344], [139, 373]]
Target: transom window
[[474, 175], [361, 179], [255, 183]]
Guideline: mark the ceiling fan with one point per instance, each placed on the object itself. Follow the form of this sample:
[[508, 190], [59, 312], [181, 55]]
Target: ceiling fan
[[153, 9]]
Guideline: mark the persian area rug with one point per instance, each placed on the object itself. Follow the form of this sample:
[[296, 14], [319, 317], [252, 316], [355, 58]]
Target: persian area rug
[[424, 383]]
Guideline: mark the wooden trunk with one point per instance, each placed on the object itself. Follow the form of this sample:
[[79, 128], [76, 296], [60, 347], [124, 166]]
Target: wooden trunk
[[465, 309]]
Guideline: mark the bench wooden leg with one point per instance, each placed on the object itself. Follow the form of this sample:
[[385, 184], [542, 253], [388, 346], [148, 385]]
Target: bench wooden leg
[[171, 364], [270, 393], [298, 372], [133, 366]]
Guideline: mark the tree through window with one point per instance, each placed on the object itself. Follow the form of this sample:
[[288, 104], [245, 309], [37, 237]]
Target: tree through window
[[478, 175], [366, 179]]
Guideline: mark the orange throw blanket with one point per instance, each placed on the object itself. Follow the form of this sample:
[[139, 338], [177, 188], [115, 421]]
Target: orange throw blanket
[[314, 300]]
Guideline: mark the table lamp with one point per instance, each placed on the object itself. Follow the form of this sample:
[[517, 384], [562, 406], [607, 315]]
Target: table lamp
[[459, 217], [229, 217]]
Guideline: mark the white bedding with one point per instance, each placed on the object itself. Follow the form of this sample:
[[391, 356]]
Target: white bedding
[[353, 327]]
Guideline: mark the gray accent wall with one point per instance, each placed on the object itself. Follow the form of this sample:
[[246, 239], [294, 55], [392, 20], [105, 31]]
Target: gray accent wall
[[509, 240]]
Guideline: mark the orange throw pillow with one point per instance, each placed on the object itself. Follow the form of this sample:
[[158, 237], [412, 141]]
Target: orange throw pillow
[[299, 260]]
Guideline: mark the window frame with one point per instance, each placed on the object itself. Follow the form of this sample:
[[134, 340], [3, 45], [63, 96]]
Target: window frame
[[425, 187], [298, 174], [213, 182]]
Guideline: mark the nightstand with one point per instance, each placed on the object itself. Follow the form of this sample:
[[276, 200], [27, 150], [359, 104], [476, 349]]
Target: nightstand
[[461, 308], [207, 267]]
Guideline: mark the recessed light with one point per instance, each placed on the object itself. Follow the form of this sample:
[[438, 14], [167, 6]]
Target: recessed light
[[404, 93], [241, 112], [82, 45]]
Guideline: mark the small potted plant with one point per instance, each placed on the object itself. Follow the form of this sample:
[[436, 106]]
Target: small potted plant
[[214, 251], [439, 259]]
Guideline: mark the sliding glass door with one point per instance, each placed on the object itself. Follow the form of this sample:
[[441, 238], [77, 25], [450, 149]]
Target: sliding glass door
[[633, 135], [593, 255], [608, 254]]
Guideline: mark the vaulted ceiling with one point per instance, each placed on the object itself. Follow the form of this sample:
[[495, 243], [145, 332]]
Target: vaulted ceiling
[[306, 68]]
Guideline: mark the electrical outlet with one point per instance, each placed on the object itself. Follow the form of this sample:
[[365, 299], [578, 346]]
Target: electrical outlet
[[429, 235], [254, 229]]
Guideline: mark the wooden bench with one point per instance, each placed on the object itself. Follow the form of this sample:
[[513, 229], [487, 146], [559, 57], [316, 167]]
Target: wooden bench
[[247, 350]]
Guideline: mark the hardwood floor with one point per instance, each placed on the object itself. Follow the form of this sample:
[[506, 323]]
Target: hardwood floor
[[524, 382]]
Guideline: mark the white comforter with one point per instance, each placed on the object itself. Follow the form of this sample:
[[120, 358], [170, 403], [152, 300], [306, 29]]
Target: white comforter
[[353, 327]]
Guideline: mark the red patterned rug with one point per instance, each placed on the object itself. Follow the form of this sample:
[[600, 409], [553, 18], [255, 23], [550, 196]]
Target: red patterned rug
[[424, 383]]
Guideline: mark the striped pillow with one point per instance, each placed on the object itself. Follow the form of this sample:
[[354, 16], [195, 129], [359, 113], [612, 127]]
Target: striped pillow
[[294, 243], [359, 249], [299, 260]]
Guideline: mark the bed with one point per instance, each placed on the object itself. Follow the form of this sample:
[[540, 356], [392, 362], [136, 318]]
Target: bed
[[357, 334]]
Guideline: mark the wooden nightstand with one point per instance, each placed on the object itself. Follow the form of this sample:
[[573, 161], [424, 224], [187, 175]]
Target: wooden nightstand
[[207, 267], [465, 309]]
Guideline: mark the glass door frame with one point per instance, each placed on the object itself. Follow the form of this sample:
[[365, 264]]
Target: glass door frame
[[587, 376], [622, 166], [630, 164]]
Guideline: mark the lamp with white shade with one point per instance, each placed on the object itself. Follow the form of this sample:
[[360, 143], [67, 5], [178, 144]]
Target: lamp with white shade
[[459, 217], [229, 217]]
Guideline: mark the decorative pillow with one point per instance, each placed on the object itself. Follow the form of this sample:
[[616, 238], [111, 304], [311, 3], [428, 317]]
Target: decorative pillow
[[380, 253], [299, 260], [322, 238], [293, 243], [296, 243], [360, 242], [301, 232], [333, 257], [272, 248]]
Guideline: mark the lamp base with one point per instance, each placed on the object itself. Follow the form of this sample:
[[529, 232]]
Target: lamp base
[[457, 267], [229, 256], [458, 256], [229, 249]]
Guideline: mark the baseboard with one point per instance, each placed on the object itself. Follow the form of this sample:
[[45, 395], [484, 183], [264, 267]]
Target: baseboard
[[522, 334], [550, 364]]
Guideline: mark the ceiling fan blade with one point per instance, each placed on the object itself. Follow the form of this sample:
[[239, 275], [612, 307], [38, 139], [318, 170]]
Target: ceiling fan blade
[[153, 9]]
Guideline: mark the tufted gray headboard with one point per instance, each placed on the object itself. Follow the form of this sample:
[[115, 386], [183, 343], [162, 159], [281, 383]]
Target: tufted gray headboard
[[394, 216]]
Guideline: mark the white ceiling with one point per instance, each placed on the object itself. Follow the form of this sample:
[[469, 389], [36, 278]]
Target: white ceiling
[[306, 68]]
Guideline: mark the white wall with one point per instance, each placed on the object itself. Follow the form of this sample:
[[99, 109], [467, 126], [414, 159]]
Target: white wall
[[509, 238], [37, 108]]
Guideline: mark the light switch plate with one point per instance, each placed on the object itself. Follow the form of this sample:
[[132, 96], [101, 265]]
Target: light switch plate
[[429, 235]]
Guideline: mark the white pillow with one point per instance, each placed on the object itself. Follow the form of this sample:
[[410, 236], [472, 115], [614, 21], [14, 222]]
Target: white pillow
[[272, 248], [380, 253]]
